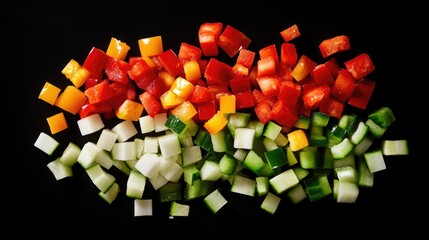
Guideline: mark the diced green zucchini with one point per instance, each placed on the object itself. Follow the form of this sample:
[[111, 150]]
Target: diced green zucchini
[[303, 122], [171, 191], [101, 179], [59, 169], [262, 186], [319, 119], [243, 185], [179, 209], [342, 149], [357, 136], [297, 193], [272, 129], [215, 201], [374, 160], [276, 157], [270, 203], [227, 164], [110, 195], [383, 117], [70, 154], [136, 183], [253, 162], [394, 147], [284, 181], [317, 187]]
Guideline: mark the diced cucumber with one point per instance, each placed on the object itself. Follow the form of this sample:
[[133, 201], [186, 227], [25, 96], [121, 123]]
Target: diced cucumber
[[363, 146], [309, 159], [203, 139], [70, 154], [347, 174], [191, 155], [46, 143], [270, 203], [59, 169], [136, 183], [243, 138], [360, 132], [257, 125], [110, 195], [179, 209], [272, 129], [172, 173], [342, 149], [394, 147], [383, 117], [124, 151], [171, 191], [366, 178], [169, 145], [148, 165], [210, 171], [374, 160], [297, 193], [151, 144], [276, 157], [303, 122], [375, 130], [243, 185], [147, 124], [317, 187], [90, 124], [101, 179], [215, 201], [319, 119], [284, 181], [88, 154], [253, 162], [106, 139], [124, 130], [346, 192], [159, 121], [227, 164], [262, 185], [190, 174], [143, 207]]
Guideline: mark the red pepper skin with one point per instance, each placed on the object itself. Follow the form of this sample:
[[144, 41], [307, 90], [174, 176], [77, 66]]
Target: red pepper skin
[[232, 40], [334, 45], [362, 94], [360, 66], [171, 63], [208, 36], [344, 86], [151, 104], [315, 96], [116, 70], [332, 107], [218, 73], [96, 62], [244, 100]]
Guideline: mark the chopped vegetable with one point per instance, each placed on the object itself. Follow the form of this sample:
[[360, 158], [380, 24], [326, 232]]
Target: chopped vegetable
[[269, 124]]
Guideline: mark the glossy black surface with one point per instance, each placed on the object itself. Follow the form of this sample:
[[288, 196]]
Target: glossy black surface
[[42, 38]]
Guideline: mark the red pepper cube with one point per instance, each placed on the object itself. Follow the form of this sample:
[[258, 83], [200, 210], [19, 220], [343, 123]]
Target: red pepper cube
[[322, 75], [244, 100], [232, 41], [360, 66], [100, 92], [334, 45], [218, 73], [171, 63], [332, 108], [289, 93], [208, 36], [95, 62], [290, 33], [344, 86], [239, 85], [288, 54], [361, 95], [116, 70]]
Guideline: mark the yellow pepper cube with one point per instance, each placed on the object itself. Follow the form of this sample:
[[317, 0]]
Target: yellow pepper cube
[[130, 110], [297, 140], [117, 49], [57, 122], [184, 111], [216, 123], [170, 100], [80, 77], [192, 71], [150, 46], [182, 87], [49, 93], [71, 68], [227, 103], [71, 99], [166, 77]]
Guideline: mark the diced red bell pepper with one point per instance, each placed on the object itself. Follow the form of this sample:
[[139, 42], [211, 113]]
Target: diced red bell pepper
[[288, 54], [344, 86], [189, 52], [208, 36], [157, 87], [360, 66], [246, 58], [218, 73], [206, 111], [151, 104], [284, 114], [95, 62], [266, 67], [334, 45], [333, 67], [232, 40], [332, 107], [100, 92], [141, 72], [284, 72], [101, 108], [361, 95], [270, 85], [269, 51], [244, 100], [322, 75], [289, 93], [116, 70], [171, 63], [239, 85], [290, 33], [263, 111], [201, 94], [313, 97]]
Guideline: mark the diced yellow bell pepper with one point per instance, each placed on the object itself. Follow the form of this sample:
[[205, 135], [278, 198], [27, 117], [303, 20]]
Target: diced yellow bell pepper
[[49, 93], [182, 87], [192, 71], [184, 111], [166, 77], [216, 123], [170, 100], [130, 110], [117, 49], [150, 46], [75, 73], [227, 103], [71, 99], [57, 122], [297, 140]]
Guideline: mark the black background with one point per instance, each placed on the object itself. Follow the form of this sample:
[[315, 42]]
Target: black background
[[41, 38]]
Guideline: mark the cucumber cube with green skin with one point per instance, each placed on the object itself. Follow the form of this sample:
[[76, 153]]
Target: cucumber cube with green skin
[[284, 181], [317, 187], [374, 160], [215, 201], [319, 119], [272, 130], [309, 159], [383, 117], [172, 191], [227, 164], [253, 162], [276, 157], [270, 203], [203, 139]]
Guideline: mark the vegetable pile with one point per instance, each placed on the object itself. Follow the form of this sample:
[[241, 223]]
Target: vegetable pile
[[274, 124]]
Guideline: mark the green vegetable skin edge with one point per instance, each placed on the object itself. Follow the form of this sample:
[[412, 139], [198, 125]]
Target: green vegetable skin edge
[[259, 164]]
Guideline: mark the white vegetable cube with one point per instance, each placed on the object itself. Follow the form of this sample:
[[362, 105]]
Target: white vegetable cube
[[46, 143], [106, 139], [169, 145], [124, 151], [101, 179], [88, 154], [90, 124], [215, 201], [270, 203], [179, 210], [150, 144], [136, 184], [394, 147], [243, 185], [296, 194], [347, 192], [243, 138], [139, 147], [375, 161], [59, 169], [104, 159], [173, 172], [110, 195], [70, 154], [147, 124], [210, 171], [125, 130], [158, 181], [284, 181], [148, 165], [191, 155], [143, 207], [159, 122]]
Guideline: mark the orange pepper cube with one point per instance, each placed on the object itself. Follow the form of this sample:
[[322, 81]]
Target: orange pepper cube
[[227, 103], [170, 100], [297, 140], [184, 111], [71, 68], [49, 93], [216, 123], [182, 87], [150, 46], [192, 71], [71, 99], [80, 77], [57, 122], [117, 49], [130, 110]]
